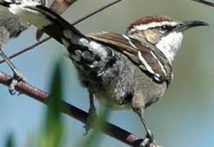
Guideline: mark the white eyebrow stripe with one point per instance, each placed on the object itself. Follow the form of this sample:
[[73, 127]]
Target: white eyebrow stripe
[[142, 27]]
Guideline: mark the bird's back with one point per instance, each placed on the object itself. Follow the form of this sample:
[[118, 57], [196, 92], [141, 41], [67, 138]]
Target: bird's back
[[11, 23]]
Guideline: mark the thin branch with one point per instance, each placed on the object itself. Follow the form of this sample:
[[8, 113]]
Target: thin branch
[[76, 113], [97, 11], [47, 38], [205, 2], [26, 49]]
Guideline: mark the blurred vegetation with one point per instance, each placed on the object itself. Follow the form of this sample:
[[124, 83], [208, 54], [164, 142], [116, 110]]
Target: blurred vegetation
[[10, 141], [53, 126]]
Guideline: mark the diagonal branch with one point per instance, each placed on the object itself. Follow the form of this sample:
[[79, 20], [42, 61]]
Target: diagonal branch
[[78, 114], [26, 49], [205, 2]]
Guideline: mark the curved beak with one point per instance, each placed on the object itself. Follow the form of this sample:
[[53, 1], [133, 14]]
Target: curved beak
[[189, 24]]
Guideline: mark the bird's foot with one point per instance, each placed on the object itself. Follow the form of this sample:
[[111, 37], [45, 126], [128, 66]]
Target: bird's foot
[[92, 115], [149, 141], [18, 77]]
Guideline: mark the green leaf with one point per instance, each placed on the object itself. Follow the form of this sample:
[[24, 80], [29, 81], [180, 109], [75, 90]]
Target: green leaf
[[53, 121], [10, 141]]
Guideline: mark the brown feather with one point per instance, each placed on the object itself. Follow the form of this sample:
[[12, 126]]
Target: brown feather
[[120, 44]]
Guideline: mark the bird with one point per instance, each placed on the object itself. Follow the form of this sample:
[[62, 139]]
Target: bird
[[11, 26], [123, 71]]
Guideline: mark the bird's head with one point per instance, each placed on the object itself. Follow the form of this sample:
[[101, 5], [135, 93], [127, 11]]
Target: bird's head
[[163, 32]]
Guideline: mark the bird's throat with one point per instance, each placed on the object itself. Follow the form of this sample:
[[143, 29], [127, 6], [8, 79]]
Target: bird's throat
[[170, 44]]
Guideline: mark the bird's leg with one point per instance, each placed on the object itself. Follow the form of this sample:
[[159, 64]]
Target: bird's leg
[[91, 114], [17, 75], [149, 138]]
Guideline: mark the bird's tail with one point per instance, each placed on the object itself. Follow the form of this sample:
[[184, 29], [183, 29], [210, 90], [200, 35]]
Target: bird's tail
[[82, 49], [43, 18]]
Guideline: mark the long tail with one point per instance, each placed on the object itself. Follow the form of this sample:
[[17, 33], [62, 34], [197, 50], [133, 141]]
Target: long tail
[[81, 48], [49, 21]]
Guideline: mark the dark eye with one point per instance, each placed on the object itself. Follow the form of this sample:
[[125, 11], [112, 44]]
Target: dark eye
[[164, 28]]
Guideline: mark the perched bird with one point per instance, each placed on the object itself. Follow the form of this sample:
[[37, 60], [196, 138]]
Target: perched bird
[[11, 26], [131, 70]]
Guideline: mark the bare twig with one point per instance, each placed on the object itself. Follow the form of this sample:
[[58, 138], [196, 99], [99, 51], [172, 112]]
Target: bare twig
[[39, 95], [76, 22], [205, 2], [97, 11], [26, 49]]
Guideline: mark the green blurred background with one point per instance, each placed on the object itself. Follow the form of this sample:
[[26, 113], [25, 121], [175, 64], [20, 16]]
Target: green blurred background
[[182, 118]]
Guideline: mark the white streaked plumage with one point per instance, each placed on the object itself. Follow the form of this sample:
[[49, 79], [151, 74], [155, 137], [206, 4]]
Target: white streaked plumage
[[95, 47], [130, 42], [148, 67], [162, 67]]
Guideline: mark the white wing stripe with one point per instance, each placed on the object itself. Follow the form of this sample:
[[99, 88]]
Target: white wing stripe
[[161, 65], [130, 42], [148, 67]]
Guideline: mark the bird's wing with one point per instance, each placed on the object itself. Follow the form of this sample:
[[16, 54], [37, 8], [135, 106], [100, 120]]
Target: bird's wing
[[147, 57]]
